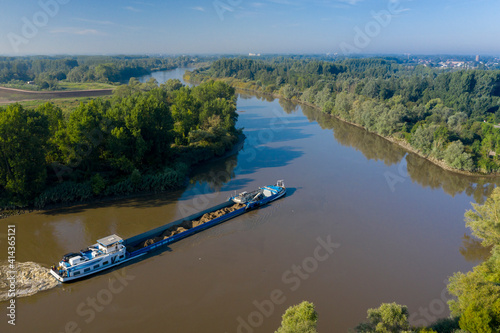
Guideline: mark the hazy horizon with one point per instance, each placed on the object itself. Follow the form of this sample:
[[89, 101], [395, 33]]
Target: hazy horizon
[[65, 27]]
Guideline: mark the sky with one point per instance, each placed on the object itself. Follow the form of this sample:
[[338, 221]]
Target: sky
[[48, 27]]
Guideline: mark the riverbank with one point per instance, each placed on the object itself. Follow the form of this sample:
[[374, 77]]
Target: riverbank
[[237, 84], [237, 146], [109, 166]]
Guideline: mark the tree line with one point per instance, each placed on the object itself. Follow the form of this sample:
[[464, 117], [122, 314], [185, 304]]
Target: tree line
[[448, 116], [143, 139], [46, 72]]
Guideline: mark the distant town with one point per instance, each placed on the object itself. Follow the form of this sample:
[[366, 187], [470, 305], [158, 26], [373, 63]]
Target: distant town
[[434, 61], [459, 62]]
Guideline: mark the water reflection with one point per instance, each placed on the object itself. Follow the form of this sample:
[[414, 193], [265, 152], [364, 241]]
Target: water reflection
[[215, 174], [430, 175], [473, 250], [374, 147]]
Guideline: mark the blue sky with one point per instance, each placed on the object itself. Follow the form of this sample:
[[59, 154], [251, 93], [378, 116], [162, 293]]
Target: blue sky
[[244, 26]]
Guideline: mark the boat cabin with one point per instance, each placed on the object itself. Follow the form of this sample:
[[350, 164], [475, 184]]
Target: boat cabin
[[110, 244]]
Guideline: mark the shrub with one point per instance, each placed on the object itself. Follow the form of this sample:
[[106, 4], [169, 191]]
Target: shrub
[[64, 192], [301, 318], [98, 184]]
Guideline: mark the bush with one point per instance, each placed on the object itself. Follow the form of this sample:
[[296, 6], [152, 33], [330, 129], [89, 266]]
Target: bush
[[455, 157], [446, 325], [98, 184], [135, 177], [301, 318], [388, 318], [64, 192]]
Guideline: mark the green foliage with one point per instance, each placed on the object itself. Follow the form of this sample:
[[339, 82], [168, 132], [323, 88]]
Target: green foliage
[[427, 330], [477, 303], [484, 220], [288, 91], [388, 98], [478, 292], [301, 318], [423, 137], [446, 325], [455, 156], [388, 318], [65, 192], [122, 146], [98, 184], [24, 135], [135, 177], [47, 72]]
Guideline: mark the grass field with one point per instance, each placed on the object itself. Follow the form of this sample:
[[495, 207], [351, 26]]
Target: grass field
[[8, 96], [84, 85], [66, 104], [63, 86]]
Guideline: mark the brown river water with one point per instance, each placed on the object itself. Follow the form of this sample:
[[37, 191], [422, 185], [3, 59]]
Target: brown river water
[[364, 222]]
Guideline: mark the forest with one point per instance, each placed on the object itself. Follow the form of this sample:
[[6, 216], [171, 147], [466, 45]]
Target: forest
[[46, 72], [143, 139], [449, 116]]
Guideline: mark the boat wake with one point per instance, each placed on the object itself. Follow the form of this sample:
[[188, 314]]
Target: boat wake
[[31, 278]]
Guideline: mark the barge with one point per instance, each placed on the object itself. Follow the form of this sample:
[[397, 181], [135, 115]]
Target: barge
[[113, 250]]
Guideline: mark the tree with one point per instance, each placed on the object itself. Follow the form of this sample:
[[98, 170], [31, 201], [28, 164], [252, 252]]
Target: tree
[[301, 318], [98, 183], [484, 220], [455, 157], [477, 302], [23, 137], [390, 120], [478, 292], [456, 121], [185, 112], [288, 91], [172, 85], [57, 126], [423, 137], [86, 135], [343, 105], [388, 318]]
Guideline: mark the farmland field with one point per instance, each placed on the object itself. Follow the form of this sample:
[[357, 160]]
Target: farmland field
[[9, 95]]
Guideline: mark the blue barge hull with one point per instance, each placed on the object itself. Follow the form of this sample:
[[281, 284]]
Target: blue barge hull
[[275, 192], [133, 241]]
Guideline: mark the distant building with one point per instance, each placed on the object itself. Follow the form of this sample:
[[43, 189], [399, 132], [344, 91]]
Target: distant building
[[477, 58]]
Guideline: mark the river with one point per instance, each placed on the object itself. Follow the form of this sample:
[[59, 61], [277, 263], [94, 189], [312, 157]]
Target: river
[[364, 222]]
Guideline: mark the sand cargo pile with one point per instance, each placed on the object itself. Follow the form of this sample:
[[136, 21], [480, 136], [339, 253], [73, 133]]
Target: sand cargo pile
[[186, 225]]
